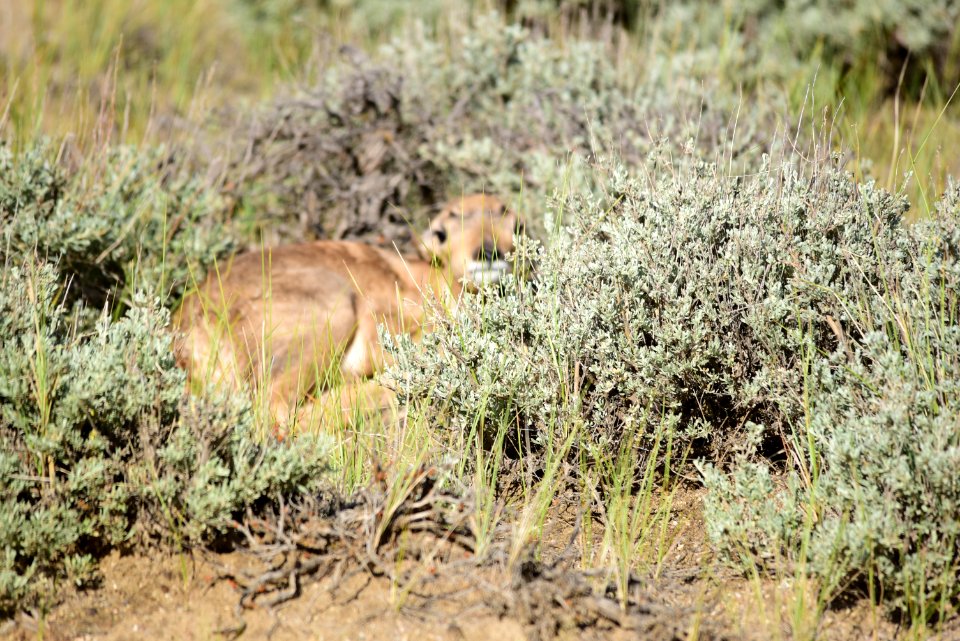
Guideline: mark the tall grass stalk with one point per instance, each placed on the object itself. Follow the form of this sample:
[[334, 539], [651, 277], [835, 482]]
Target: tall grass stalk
[[537, 501], [637, 490]]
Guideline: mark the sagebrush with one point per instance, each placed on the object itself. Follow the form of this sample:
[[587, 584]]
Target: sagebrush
[[789, 328], [691, 298], [366, 150], [126, 221], [882, 414], [101, 448]]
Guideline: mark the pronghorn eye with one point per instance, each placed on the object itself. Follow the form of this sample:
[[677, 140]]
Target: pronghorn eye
[[441, 235]]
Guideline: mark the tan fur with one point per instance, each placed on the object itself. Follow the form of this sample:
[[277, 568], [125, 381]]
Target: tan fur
[[298, 319]]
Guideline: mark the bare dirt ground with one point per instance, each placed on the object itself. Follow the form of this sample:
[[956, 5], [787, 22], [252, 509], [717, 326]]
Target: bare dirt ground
[[436, 592]]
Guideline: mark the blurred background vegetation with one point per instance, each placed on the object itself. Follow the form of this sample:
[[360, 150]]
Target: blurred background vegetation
[[880, 75]]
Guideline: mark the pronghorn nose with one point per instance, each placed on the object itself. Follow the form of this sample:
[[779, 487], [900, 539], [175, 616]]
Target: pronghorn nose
[[488, 252]]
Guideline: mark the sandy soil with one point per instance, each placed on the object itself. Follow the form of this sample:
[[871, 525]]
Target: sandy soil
[[184, 597]]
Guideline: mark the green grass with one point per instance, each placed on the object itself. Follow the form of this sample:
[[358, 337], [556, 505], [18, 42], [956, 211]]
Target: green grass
[[69, 64], [907, 146], [102, 71]]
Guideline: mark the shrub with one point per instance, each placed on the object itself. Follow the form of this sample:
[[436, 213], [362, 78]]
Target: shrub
[[126, 221], [99, 445], [688, 298], [100, 449], [878, 486], [788, 321], [858, 41], [366, 149]]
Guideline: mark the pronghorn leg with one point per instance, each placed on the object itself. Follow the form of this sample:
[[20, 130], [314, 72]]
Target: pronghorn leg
[[350, 404]]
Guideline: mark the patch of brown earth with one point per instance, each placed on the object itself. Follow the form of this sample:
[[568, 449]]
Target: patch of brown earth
[[176, 598], [435, 591]]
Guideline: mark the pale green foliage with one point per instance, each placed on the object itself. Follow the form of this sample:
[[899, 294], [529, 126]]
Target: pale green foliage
[[886, 495], [125, 222], [856, 40], [498, 109], [883, 412], [688, 297], [787, 311], [848, 45], [99, 445]]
